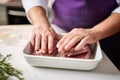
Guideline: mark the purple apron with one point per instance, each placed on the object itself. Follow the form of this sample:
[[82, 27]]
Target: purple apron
[[68, 14]]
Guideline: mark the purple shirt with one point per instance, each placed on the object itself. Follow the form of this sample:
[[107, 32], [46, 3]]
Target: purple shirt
[[69, 14]]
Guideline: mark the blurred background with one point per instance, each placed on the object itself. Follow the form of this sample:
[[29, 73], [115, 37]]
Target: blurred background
[[12, 12]]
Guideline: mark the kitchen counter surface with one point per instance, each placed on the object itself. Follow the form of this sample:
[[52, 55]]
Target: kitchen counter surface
[[105, 70]]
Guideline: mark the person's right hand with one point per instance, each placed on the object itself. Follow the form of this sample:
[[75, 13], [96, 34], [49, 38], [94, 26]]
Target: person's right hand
[[43, 36], [43, 39]]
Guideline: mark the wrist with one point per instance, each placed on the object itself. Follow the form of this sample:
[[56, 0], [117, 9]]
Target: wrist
[[42, 25], [98, 33], [38, 16], [41, 21]]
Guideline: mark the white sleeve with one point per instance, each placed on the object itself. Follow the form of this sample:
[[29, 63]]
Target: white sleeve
[[28, 4], [117, 10]]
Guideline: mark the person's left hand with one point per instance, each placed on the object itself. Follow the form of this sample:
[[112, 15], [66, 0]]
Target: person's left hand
[[77, 38]]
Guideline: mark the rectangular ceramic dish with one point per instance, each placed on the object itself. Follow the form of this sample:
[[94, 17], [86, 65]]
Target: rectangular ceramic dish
[[60, 62]]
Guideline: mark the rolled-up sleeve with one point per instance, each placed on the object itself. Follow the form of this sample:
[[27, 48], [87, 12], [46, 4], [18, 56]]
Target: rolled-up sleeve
[[117, 10], [28, 4]]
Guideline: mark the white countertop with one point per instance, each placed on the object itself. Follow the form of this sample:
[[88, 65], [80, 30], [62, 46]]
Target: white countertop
[[105, 70]]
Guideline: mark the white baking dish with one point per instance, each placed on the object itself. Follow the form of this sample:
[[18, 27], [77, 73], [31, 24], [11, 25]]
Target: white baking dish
[[60, 62]]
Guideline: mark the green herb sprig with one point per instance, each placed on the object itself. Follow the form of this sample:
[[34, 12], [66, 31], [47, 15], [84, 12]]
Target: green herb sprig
[[6, 69]]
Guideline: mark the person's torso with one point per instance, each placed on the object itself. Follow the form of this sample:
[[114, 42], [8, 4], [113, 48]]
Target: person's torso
[[68, 14]]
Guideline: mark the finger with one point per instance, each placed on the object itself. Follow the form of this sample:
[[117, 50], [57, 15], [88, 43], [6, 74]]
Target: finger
[[50, 44], [72, 43], [61, 41], [82, 43], [44, 44], [32, 41], [62, 47], [37, 42]]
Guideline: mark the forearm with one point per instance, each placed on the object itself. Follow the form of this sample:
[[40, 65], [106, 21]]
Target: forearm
[[38, 16], [108, 27]]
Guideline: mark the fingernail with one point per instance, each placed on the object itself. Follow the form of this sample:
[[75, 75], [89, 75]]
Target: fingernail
[[50, 51], [36, 49], [66, 48], [57, 45], [43, 51], [63, 52], [77, 48], [60, 50], [69, 54]]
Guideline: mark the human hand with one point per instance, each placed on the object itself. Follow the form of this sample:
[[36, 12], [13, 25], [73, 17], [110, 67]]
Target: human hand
[[43, 39], [84, 53], [77, 38]]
